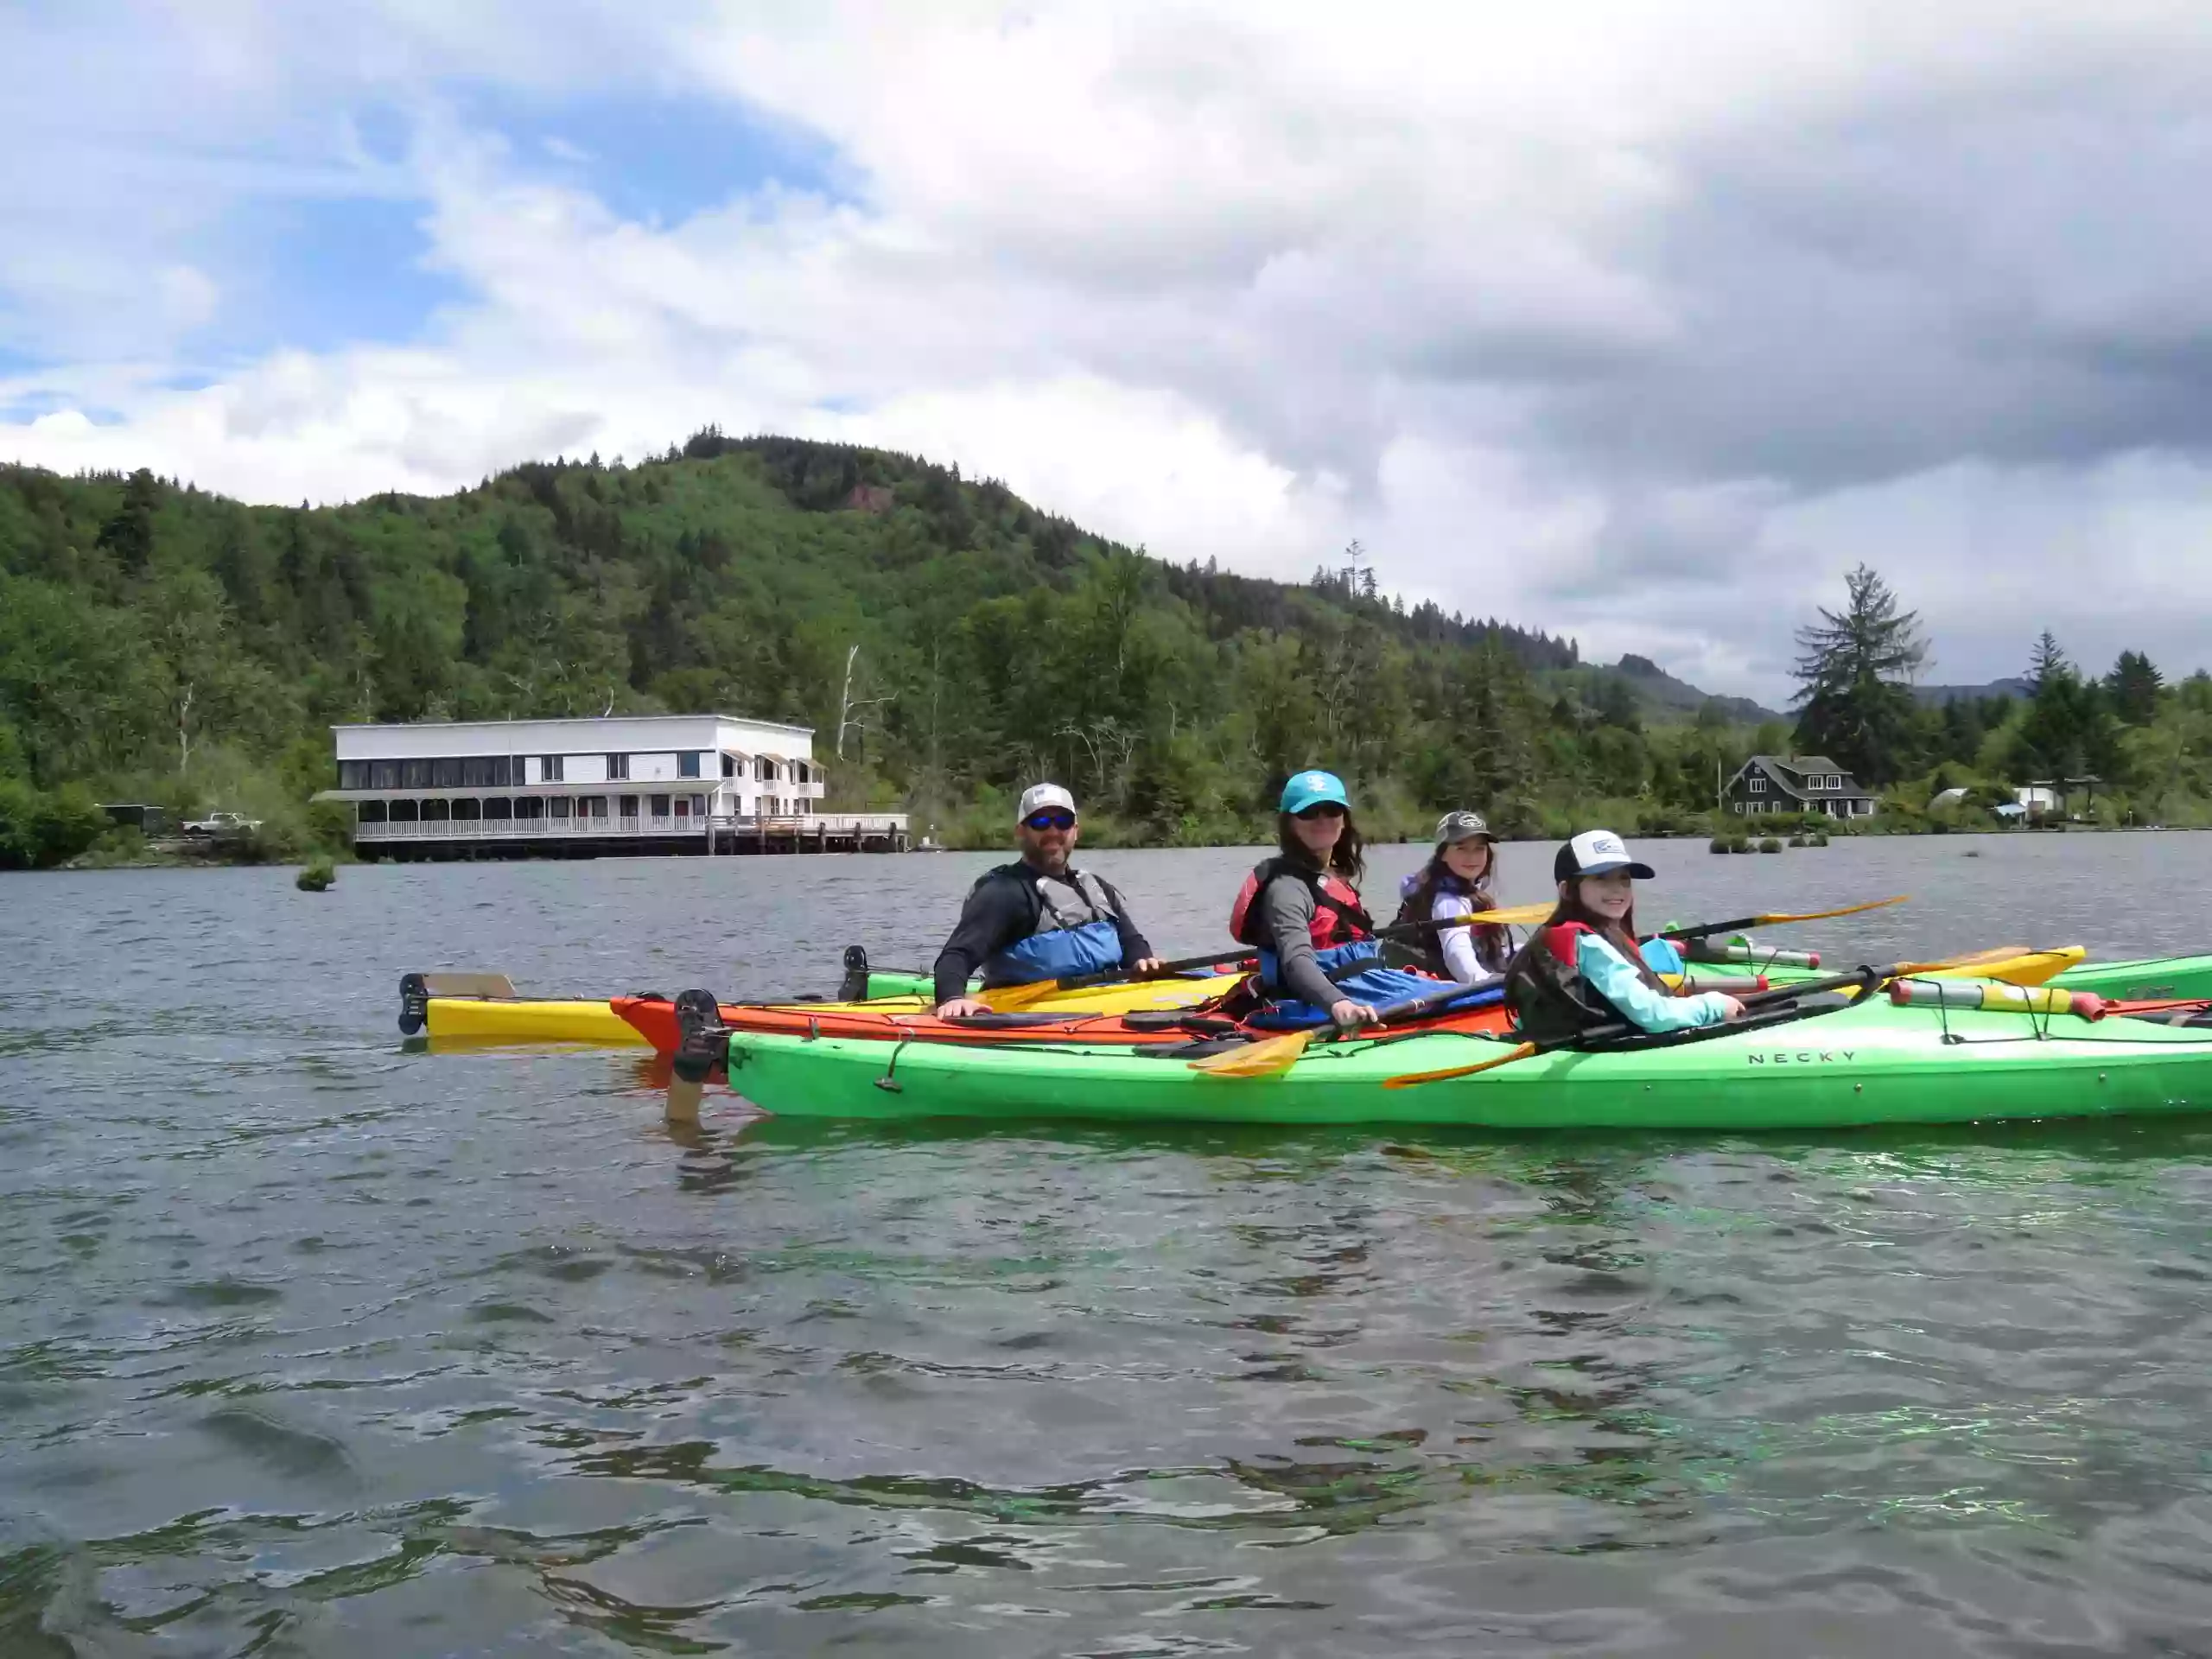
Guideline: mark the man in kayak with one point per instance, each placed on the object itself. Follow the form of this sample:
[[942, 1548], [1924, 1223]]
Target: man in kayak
[[1041, 919], [1583, 969]]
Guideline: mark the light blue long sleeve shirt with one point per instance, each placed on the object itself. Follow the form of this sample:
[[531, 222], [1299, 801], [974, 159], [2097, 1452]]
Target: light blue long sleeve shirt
[[1612, 977]]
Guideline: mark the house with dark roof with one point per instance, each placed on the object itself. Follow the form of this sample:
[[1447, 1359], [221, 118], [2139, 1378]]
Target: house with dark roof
[[1802, 782]]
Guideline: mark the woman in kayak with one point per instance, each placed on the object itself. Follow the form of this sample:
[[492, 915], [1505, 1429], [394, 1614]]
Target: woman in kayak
[[1319, 960], [1456, 881], [1582, 968], [1301, 907]]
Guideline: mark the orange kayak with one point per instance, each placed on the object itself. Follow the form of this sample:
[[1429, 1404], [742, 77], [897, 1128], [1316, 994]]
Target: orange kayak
[[654, 1019]]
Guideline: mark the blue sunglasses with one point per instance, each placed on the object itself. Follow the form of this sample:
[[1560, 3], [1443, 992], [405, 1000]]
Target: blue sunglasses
[[1055, 819]]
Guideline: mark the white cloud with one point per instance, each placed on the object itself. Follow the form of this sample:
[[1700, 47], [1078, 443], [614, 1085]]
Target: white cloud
[[1640, 322]]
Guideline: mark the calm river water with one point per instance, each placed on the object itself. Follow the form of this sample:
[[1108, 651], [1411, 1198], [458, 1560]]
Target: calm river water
[[312, 1345]]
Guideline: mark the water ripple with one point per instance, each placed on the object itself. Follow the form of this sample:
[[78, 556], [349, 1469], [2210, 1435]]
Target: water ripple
[[312, 1344]]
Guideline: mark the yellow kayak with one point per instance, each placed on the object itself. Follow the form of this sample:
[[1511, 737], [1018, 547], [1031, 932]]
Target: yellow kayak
[[485, 1008]]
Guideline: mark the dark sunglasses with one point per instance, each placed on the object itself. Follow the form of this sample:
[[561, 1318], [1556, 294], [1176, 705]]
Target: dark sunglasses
[[1321, 809], [1052, 820]]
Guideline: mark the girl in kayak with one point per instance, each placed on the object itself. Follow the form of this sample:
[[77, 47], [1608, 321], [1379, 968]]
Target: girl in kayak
[[1319, 957], [1456, 881], [1582, 968]]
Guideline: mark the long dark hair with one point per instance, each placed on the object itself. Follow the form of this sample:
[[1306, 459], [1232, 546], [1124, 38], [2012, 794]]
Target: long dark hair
[[1420, 898], [1620, 935], [1348, 858]]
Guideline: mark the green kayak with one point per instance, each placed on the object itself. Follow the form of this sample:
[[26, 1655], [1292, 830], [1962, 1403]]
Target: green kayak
[[2141, 980], [2145, 979], [1862, 1063]]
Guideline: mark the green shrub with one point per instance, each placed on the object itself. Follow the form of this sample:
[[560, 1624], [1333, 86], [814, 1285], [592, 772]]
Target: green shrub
[[39, 829], [1769, 844], [1718, 844], [316, 877]]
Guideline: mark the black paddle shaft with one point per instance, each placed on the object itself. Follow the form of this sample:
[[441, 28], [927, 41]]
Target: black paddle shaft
[[1396, 931], [1867, 977]]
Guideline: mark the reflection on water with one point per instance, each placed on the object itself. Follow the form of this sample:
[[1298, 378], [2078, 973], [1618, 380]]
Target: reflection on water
[[310, 1343]]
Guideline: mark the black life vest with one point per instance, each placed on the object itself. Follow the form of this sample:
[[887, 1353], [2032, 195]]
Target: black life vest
[[1544, 987], [1423, 948]]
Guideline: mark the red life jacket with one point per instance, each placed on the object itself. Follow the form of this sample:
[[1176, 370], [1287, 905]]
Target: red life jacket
[[1338, 917]]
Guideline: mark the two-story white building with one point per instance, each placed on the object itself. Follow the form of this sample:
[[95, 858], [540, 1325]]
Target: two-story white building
[[619, 784]]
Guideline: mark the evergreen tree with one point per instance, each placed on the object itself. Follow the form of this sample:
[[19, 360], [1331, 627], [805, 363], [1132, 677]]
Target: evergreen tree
[[2045, 660], [1854, 669], [2134, 685], [128, 535]]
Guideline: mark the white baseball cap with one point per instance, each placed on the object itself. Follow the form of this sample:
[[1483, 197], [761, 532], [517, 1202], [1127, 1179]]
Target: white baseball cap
[[1038, 797], [1597, 852]]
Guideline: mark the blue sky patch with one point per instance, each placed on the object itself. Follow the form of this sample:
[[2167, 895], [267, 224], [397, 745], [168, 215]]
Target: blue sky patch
[[316, 274], [659, 160]]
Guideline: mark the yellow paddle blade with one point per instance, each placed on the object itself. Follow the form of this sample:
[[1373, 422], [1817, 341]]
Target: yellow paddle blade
[[1823, 915], [2022, 968], [1264, 1058], [1518, 916], [1409, 1079]]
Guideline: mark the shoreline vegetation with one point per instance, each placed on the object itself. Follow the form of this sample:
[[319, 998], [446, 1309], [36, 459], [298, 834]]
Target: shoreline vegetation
[[1784, 833], [948, 643]]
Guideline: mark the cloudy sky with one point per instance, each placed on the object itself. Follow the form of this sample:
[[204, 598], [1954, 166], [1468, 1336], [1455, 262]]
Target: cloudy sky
[[1640, 322]]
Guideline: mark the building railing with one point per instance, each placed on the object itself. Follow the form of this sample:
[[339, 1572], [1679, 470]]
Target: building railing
[[843, 824]]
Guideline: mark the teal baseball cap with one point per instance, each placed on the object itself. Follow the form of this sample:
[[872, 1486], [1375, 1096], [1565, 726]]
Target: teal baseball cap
[[1308, 788]]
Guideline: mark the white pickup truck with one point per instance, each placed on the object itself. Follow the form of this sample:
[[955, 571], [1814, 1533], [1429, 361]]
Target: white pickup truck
[[221, 825]]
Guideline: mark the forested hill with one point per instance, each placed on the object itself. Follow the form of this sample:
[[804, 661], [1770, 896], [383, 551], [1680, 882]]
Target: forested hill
[[163, 643]]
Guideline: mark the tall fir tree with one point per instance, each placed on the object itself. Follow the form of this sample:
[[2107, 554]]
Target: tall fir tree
[[2133, 686], [1854, 671]]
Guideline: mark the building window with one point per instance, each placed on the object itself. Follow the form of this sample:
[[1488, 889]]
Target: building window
[[371, 812], [687, 763], [617, 769], [549, 768], [352, 775], [729, 766], [529, 807], [660, 806], [1759, 784], [557, 807]]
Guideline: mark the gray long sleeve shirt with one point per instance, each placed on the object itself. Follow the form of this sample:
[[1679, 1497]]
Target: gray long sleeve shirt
[[1287, 909]]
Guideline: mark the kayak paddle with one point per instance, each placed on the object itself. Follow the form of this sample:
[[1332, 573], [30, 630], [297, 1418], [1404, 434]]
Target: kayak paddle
[[1514, 916], [1866, 978], [1271, 1055], [1705, 930], [1518, 916]]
